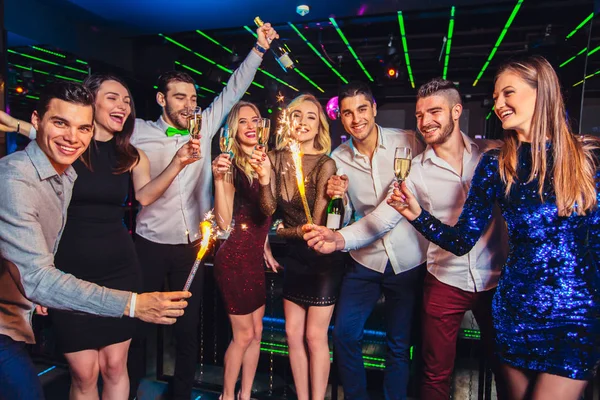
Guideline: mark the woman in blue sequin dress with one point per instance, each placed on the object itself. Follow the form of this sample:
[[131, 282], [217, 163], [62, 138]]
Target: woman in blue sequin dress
[[545, 179]]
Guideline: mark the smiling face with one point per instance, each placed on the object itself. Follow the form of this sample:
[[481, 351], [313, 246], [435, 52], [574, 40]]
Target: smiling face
[[436, 119], [306, 121], [358, 116], [514, 101], [113, 106], [246, 127], [177, 103], [64, 132]]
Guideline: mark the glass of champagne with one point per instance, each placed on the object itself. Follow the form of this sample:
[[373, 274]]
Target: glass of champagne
[[262, 131], [402, 162], [194, 127], [225, 144]]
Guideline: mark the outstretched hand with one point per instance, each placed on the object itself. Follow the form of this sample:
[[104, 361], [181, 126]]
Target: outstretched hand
[[403, 201]]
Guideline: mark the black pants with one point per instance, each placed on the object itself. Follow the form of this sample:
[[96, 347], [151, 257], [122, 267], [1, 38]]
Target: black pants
[[174, 262]]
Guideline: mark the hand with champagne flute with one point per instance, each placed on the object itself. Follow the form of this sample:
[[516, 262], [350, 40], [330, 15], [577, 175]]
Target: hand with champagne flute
[[261, 164], [194, 128], [403, 201]]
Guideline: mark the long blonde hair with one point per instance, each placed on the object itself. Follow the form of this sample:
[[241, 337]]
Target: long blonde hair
[[240, 159], [323, 139], [574, 162]]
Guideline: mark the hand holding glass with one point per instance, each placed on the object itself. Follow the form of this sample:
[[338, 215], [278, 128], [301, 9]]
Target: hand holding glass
[[194, 127], [402, 162], [225, 144], [262, 131]]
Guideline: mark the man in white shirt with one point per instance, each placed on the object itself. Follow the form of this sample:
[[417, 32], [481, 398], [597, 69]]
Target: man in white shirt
[[167, 231], [440, 178], [388, 265]]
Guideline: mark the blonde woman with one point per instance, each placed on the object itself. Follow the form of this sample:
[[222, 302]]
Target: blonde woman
[[311, 281], [545, 180], [238, 269]]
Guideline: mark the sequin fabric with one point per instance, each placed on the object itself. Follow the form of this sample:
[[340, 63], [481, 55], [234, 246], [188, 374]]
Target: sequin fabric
[[310, 279], [546, 309], [239, 266]]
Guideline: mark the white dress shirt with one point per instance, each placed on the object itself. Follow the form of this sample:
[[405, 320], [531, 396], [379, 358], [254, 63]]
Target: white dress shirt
[[442, 191], [175, 217], [368, 186]]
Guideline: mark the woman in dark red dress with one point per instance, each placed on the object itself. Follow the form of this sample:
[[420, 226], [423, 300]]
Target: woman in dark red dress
[[239, 269]]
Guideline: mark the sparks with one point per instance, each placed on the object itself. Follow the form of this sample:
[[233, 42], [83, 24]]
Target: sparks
[[209, 232], [297, 158]]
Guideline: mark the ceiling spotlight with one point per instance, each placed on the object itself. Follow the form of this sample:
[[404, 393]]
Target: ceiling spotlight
[[20, 90], [392, 73], [303, 9]]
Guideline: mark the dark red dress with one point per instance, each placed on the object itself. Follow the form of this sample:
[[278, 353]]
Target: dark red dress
[[239, 264]]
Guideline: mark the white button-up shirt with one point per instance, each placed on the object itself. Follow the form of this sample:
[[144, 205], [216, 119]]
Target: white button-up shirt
[[442, 191], [175, 217], [368, 186]]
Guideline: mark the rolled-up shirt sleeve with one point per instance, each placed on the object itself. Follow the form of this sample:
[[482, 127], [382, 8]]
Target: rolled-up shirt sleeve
[[30, 263], [372, 226]]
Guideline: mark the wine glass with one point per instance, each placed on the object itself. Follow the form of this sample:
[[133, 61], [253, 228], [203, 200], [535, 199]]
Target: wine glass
[[225, 144], [195, 126], [262, 131], [402, 162]]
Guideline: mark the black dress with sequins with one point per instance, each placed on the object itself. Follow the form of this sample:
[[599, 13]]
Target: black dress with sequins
[[310, 278], [239, 267], [546, 309]]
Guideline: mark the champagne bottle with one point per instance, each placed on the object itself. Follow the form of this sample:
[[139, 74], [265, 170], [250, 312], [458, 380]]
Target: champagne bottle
[[282, 56], [335, 213]]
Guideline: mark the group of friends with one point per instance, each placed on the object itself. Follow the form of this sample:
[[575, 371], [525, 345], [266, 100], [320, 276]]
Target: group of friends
[[508, 229]]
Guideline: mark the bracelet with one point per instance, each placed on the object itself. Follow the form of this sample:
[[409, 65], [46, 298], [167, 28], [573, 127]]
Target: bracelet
[[260, 49], [18, 126], [132, 305]]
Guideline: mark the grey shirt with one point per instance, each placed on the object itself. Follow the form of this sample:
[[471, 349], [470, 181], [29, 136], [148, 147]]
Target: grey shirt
[[33, 211]]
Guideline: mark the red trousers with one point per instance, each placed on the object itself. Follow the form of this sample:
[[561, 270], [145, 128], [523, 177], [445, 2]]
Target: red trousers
[[444, 307]]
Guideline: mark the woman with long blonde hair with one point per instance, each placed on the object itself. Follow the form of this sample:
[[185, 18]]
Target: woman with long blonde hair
[[238, 265], [311, 281], [545, 180]]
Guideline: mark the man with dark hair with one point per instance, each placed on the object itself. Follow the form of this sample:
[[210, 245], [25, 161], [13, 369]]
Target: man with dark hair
[[440, 178], [167, 230], [37, 187], [389, 265]]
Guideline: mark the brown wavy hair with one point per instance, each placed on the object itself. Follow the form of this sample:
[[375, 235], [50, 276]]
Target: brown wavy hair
[[127, 155], [575, 165], [240, 159]]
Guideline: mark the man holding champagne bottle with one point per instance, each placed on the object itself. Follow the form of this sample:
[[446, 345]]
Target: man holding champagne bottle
[[388, 265], [440, 178], [167, 230]]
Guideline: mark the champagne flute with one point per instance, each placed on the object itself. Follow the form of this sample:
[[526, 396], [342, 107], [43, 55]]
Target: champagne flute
[[262, 131], [195, 126], [402, 162], [225, 144]]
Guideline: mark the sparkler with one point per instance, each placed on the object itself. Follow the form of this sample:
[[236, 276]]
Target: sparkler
[[297, 158], [208, 230]]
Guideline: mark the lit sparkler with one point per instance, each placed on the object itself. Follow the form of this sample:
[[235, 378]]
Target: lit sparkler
[[209, 231], [297, 157]]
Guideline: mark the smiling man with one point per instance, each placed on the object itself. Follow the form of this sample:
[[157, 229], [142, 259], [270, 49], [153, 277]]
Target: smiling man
[[440, 178], [388, 265], [37, 186], [167, 231]]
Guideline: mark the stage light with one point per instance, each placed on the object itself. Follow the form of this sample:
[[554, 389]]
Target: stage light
[[20, 90], [392, 73]]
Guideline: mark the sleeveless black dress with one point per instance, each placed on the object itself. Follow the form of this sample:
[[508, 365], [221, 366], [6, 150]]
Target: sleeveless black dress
[[96, 246]]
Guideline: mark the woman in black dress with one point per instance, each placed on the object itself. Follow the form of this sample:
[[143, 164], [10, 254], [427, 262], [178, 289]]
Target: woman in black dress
[[311, 281], [96, 245]]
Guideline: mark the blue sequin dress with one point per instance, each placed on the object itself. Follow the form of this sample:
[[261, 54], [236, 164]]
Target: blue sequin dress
[[546, 309]]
